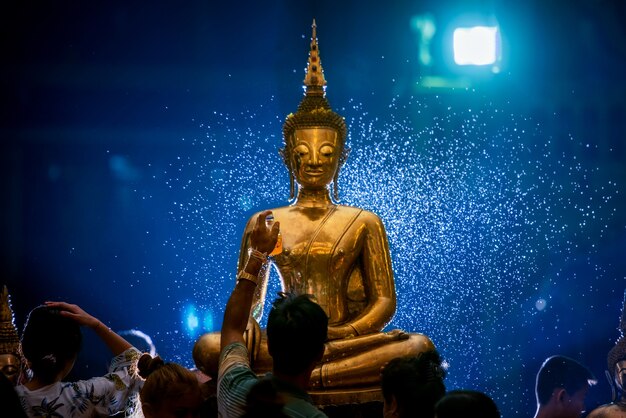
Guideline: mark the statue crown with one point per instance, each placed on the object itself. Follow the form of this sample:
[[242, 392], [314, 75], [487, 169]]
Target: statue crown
[[314, 109], [9, 340]]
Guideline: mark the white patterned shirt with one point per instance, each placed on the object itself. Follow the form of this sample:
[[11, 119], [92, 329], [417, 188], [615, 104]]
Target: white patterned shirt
[[106, 395]]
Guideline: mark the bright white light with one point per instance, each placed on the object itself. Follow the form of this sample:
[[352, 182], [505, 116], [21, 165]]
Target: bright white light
[[541, 304], [192, 321], [475, 46]]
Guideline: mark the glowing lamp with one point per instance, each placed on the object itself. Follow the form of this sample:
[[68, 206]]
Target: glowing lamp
[[191, 321], [476, 45]]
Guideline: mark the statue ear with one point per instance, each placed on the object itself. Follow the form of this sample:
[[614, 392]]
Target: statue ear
[[284, 153], [344, 156]]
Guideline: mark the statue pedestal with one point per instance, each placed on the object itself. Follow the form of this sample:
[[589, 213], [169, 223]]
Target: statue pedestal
[[336, 397]]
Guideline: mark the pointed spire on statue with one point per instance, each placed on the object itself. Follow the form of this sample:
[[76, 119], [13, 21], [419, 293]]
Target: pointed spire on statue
[[314, 111], [9, 340], [314, 81]]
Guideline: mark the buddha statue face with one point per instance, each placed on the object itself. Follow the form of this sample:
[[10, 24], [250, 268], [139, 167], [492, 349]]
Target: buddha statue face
[[314, 156], [10, 367]]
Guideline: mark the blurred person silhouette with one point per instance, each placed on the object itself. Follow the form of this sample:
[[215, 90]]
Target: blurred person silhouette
[[296, 332], [9, 401], [412, 385], [169, 391], [466, 403], [51, 342], [561, 387], [616, 375]]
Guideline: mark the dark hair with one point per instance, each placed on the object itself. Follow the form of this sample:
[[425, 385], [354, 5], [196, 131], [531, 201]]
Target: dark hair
[[297, 329], [416, 382], [265, 401], [561, 372], [163, 380], [49, 341], [466, 403]]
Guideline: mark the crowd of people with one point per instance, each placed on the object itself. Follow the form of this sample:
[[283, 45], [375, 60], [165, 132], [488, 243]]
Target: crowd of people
[[142, 385]]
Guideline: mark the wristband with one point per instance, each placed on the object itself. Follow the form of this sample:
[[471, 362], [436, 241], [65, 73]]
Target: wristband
[[244, 275]]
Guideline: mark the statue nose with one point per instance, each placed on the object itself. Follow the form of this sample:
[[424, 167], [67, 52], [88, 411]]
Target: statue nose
[[315, 158]]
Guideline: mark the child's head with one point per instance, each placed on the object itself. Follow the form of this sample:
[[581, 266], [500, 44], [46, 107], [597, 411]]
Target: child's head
[[170, 390], [50, 343]]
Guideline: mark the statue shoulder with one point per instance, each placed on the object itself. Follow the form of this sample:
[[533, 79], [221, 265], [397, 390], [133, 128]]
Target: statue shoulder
[[364, 215]]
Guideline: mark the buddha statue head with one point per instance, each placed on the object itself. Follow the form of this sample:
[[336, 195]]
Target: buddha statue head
[[10, 352], [314, 136], [616, 359]]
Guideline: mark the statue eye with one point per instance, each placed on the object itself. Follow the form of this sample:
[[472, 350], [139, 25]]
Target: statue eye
[[327, 150], [301, 150]]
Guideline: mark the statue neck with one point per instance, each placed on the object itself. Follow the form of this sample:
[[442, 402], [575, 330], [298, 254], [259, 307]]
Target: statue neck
[[319, 198]]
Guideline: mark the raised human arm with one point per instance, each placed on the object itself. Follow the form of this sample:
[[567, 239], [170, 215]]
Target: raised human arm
[[258, 298], [116, 343], [377, 281], [238, 307]]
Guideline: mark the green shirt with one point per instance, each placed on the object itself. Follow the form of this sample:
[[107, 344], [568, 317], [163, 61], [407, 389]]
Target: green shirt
[[235, 378]]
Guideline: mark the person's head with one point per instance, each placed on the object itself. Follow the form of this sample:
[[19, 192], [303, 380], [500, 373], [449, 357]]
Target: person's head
[[50, 343], [616, 359], [314, 136], [466, 403], [10, 352], [562, 383], [170, 390], [297, 329], [412, 385], [265, 401]]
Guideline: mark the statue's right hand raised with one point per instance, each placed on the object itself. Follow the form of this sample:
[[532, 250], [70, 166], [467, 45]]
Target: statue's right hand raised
[[262, 238]]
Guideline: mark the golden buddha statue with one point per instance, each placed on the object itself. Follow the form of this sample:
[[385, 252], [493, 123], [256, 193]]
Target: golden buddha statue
[[10, 352], [337, 253]]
